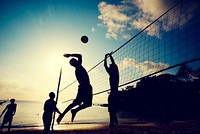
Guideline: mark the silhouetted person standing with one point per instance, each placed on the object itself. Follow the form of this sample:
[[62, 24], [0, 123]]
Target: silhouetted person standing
[[84, 95], [49, 108], [10, 112], [113, 98]]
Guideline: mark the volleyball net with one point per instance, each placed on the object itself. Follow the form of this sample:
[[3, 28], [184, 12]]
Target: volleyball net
[[168, 42]]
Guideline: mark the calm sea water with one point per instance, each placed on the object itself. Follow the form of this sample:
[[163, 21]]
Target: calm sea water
[[29, 113]]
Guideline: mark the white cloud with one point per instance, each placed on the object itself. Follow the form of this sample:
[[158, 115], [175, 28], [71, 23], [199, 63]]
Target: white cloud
[[137, 14], [141, 23], [179, 18], [112, 12], [126, 36], [92, 29], [146, 67], [113, 18], [151, 9]]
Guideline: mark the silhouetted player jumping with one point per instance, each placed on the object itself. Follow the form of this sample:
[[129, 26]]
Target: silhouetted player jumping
[[113, 98], [84, 95]]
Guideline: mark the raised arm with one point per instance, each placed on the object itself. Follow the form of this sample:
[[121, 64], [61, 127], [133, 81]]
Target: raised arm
[[78, 56], [111, 58], [105, 63]]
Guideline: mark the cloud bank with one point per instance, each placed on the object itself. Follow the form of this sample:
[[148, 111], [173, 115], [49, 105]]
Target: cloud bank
[[136, 15], [146, 67], [114, 18]]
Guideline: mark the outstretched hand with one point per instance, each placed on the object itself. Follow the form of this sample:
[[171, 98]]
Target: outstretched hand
[[67, 55], [106, 56]]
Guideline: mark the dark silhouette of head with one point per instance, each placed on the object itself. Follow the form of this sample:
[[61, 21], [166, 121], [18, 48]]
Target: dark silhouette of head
[[12, 101], [73, 62], [52, 95]]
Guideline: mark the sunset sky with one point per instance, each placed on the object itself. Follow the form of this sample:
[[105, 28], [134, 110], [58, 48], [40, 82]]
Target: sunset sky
[[34, 35]]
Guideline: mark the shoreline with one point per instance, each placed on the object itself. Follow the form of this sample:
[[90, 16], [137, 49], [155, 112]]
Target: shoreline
[[175, 127]]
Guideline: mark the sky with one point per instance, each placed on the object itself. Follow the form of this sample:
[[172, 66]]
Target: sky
[[34, 35]]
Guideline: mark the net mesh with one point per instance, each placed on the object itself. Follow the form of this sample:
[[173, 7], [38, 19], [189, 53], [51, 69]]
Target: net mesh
[[170, 40]]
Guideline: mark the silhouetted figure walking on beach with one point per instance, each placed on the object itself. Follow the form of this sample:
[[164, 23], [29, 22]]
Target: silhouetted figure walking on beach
[[49, 108], [113, 98], [10, 112], [84, 95]]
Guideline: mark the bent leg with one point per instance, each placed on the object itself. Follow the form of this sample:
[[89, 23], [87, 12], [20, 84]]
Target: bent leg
[[69, 107], [65, 111], [85, 97], [81, 107]]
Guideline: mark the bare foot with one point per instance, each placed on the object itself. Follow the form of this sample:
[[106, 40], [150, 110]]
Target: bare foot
[[73, 114], [59, 118]]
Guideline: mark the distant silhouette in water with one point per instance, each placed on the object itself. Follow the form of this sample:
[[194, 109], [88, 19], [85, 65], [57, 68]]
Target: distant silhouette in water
[[84, 95], [10, 112], [113, 98], [49, 108]]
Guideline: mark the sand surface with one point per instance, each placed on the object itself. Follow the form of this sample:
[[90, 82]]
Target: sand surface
[[175, 127]]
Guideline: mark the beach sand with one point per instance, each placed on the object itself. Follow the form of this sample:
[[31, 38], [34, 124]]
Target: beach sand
[[175, 127]]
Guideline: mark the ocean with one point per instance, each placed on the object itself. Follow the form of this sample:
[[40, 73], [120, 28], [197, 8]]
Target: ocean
[[29, 114]]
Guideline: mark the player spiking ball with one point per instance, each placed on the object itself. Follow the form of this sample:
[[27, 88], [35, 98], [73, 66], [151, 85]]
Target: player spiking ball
[[84, 39]]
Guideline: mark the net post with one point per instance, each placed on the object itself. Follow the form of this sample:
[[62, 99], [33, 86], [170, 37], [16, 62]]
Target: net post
[[57, 94]]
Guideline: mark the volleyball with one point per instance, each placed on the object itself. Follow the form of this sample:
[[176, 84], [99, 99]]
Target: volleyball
[[84, 39]]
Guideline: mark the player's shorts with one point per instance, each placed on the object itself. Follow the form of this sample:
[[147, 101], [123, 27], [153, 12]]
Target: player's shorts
[[84, 95], [113, 102], [7, 118]]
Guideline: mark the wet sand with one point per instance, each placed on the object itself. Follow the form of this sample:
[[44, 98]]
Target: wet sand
[[175, 127]]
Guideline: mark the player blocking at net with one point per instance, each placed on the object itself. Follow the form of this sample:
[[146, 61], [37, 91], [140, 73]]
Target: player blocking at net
[[113, 98], [84, 94]]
